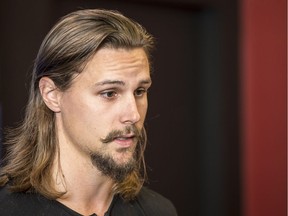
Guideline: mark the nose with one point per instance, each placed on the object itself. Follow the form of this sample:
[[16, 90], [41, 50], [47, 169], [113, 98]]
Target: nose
[[130, 112]]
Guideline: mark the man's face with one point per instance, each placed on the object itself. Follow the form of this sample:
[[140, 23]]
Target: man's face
[[105, 108]]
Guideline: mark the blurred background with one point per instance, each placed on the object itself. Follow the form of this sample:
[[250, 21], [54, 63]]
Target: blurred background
[[217, 112]]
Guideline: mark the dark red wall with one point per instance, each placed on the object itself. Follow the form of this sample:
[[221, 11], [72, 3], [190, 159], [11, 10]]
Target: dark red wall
[[264, 107]]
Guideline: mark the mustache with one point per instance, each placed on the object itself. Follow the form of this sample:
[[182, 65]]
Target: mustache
[[118, 133]]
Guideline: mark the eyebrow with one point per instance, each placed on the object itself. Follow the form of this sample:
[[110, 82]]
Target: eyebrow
[[119, 82]]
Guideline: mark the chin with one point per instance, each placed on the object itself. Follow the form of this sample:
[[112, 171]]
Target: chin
[[115, 166]]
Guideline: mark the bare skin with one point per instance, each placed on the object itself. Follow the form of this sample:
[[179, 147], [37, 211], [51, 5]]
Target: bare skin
[[111, 93]]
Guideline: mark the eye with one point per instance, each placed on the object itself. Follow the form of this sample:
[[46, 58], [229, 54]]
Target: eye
[[140, 92], [109, 94]]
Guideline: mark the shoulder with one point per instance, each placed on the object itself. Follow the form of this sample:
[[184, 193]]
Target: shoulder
[[147, 202], [23, 204], [154, 203]]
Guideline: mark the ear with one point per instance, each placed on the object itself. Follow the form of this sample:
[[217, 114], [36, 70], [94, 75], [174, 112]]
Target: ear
[[50, 93]]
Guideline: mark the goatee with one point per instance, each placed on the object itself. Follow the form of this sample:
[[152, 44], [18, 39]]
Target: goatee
[[108, 166]]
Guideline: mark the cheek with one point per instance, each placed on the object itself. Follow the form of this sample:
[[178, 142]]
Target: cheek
[[82, 124], [142, 109], [78, 112], [73, 106]]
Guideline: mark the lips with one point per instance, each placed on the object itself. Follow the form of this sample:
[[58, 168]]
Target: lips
[[124, 141], [123, 138]]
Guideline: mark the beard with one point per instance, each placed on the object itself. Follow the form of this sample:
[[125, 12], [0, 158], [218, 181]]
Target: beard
[[108, 166]]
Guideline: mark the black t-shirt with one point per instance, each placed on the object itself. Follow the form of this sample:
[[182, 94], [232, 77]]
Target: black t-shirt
[[147, 203]]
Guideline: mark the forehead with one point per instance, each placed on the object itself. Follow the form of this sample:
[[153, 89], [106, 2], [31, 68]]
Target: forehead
[[119, 60], [120, 64]]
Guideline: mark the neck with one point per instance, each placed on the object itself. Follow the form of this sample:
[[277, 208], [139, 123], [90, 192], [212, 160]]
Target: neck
[[87, 190]]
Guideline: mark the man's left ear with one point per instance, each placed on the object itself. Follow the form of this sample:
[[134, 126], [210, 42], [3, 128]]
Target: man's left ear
[[50, 93]]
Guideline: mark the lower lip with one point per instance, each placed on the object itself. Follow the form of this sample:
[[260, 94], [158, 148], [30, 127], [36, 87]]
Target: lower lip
[[124, 142]]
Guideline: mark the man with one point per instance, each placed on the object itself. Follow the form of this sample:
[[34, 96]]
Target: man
[[80, 148]]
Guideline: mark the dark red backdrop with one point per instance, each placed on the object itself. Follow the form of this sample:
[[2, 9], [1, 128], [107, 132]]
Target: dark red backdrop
[[264, 91]]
